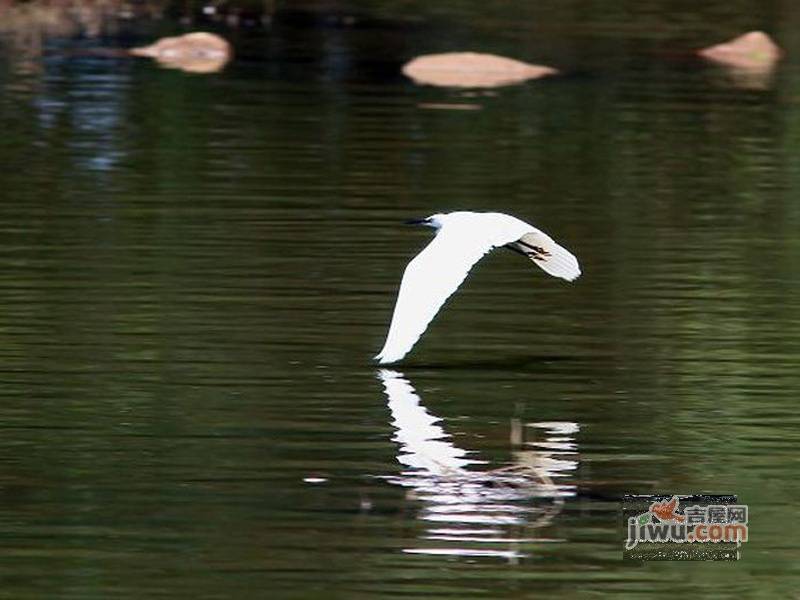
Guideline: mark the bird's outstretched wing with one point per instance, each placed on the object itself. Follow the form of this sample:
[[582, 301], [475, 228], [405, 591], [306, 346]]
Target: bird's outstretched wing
[[428, 281], [547, 254]]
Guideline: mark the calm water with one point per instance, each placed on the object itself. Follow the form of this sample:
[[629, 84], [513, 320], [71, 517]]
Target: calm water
[[196, 271]]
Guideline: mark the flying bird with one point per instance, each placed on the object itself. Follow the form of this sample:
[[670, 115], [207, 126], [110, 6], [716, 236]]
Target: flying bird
[[462, 238]]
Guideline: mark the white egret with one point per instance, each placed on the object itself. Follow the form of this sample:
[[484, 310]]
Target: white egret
[[462, 238]]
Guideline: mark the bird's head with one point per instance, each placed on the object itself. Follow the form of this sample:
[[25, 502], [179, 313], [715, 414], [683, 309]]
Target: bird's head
[[435, 221]]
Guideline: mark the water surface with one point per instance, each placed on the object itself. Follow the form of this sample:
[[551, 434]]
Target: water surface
[[196, 272]]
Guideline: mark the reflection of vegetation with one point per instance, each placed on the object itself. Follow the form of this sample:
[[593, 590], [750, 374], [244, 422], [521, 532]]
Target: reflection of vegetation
[[623, 19], [29, 22]]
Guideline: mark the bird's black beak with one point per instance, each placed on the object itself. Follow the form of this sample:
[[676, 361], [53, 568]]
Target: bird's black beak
[[417, 222]]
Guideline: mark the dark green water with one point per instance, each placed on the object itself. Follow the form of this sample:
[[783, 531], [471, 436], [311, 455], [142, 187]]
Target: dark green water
[[195, 272]]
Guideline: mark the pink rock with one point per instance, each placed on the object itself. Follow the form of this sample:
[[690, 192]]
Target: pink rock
[[471, 70], [753, 50], [197, 52]]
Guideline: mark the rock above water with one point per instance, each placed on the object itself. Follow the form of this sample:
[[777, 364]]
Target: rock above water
[[197, 52], [753, 50], [472, 70]]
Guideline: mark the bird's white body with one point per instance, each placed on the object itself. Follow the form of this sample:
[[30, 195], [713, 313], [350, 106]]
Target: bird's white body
[[462, 238]]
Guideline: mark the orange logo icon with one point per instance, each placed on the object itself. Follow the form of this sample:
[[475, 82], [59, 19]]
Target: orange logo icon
[[665, 511]]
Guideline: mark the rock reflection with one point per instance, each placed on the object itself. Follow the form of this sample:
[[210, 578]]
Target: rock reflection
[[479, 511], [748, 79]]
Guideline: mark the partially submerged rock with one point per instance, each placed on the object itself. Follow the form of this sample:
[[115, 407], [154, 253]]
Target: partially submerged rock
[[754, 50], [472, 70], [197, 52]]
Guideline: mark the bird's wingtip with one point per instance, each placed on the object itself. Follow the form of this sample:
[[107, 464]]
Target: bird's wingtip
[[568, 272], [383, 359]]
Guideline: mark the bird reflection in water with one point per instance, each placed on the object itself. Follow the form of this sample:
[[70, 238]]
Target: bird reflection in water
[[473, 510]]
